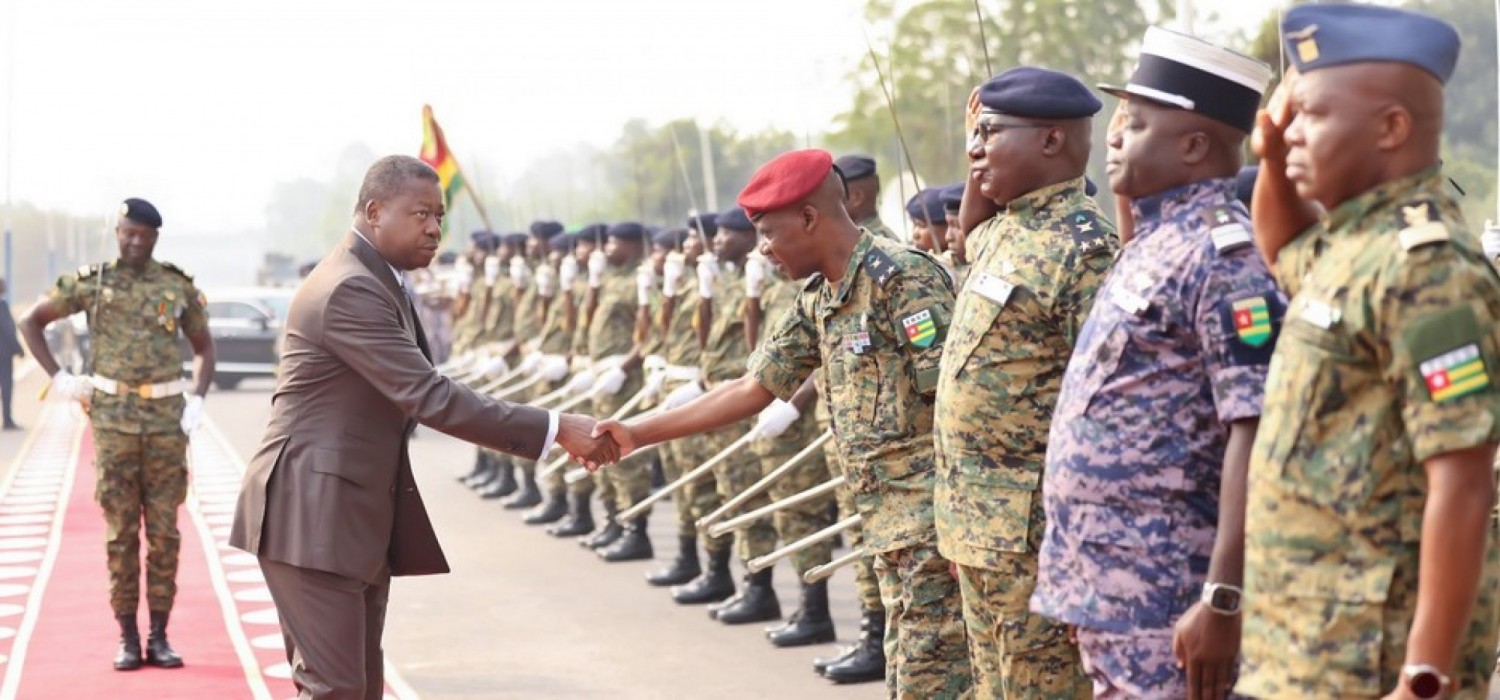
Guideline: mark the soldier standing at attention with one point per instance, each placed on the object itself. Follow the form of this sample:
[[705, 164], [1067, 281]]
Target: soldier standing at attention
[[1013, 331], [136, 306], [1370, 551], [1162, 398], [875, 315], [863, 196], [929, 228]]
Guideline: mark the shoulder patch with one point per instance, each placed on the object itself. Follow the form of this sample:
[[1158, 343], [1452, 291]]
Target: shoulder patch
[[881, 268], [86, 271], [814, 281], [1421, 225], [173, 268], [1087, 231], [1228, 232]]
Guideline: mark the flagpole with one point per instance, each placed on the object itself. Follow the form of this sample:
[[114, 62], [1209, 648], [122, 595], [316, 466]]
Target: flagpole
[[474, 197]]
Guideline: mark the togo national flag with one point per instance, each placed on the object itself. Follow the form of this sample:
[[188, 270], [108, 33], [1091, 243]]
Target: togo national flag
[[1252, 321], [1455, 373]]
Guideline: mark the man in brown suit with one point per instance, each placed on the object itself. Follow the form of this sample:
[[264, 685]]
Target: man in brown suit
[[329, 503]]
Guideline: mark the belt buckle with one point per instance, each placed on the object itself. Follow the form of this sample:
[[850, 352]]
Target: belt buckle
[[144, 391]]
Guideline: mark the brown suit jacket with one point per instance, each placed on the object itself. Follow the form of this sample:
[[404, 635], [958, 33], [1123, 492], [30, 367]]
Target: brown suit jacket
[[331, 486]]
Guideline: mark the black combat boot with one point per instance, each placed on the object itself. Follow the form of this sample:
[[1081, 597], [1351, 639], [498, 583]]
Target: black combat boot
[[158, 652], [580, 520], [868, 662], [634, 546], [480, 461], [658, 475], [714, 584], [810, 624], [758, 602], [683, 568], [550, 511], [607, 536], [528, 496], [128, 658], [503, 484], [846, 652], [488, 474]]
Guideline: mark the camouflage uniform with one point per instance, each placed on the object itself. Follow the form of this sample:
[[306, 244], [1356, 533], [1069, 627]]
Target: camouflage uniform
[[866, 584], [556, 338], [960, 271], [680, 349], [1013, 331], [876, 226], [723, 360], [797, 522], [1175, 351], [496, 314], [878, 331], [141, 452], [612, 335], [466, 328], [1391, 339]]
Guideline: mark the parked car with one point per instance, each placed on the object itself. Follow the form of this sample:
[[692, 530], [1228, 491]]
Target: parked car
[[246, 325]]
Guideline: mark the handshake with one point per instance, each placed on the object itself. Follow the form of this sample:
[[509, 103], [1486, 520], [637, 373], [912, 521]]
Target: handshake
[[575, 434]]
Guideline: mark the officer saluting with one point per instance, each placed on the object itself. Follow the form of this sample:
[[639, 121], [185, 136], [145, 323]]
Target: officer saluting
[[1370, 553], [136, 306]]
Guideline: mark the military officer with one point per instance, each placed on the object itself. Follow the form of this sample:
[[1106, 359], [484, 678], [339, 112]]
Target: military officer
[[863, 198], [531, 329], [529, 251], [1370, 551], [929, 228], [592, 263], [875, 315], [136, 309], [571, 344], [466, 312], [956, 256], [497, 312]]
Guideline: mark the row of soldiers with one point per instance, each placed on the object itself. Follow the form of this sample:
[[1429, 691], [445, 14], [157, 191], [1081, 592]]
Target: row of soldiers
[[1082, 473], [609, 312]]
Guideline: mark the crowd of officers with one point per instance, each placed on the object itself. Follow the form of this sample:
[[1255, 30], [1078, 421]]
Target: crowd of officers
[[1183, 455]]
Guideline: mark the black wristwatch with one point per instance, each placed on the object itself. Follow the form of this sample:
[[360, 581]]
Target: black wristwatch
[[1223, 598], [1424, 680]]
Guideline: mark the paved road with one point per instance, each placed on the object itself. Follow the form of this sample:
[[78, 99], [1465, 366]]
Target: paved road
[[525, 615]]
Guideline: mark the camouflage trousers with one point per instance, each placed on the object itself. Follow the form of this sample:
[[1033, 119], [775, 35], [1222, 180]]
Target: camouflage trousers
[[677, 458], [926, 655], [794, 523], [554, 483], [733, 476], [625, 483], [141, 477], [1016, 653], [1129, 665], [866, 583]]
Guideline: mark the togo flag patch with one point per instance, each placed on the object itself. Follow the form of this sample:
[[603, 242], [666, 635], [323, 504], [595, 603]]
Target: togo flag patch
[[920, 330], [1252, 321], [1455, 373]]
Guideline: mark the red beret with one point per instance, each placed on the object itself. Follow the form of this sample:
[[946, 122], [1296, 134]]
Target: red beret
[[784, 181]]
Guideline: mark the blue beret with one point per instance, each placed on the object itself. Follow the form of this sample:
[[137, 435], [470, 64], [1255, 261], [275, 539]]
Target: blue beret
[[1089, 188], [562, 242], [1244, 183], [670, 238], [515, 240], [545, 229], [592, 232], [706, 223], [628, 231], [141, 212], [951, 197], [855, 166], [485, 240], [926, 205], [1038, 93], [1323, 36], [735, 219]]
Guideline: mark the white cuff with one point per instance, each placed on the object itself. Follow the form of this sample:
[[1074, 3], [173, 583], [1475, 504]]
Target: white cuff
[[551, 435]]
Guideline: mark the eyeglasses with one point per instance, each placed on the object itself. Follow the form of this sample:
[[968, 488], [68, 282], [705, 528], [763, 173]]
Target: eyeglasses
[[985, 130]]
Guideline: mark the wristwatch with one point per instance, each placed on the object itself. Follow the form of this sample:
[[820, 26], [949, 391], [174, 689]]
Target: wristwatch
[[1223, 598], [1424, 680]]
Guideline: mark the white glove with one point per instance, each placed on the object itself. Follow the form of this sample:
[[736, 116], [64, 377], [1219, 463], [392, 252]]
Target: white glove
[[554, 368], [465, 271], [681, 395], [491, 269], [581, 382], [654, 382], [1490, 239], [645, 281], [546, 281], [654, 363], [597, 264], [192, 414], [519, 272], [567, 272], [672, 273], [708, 271], [495, 367], [755, 275], [775, 419], [529, 364], [610, 383], [70, 388]]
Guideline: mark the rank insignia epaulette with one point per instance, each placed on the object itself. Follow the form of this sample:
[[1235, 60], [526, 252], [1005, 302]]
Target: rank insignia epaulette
[[880, 267], [1086, 230], [86, 271], [1228, 232], [173, 268], [1421, 224]]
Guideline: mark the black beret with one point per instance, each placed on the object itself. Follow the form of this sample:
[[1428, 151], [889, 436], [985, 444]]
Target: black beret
[[485, 240], [141, 212], [735, 219], [952, 196], [1038, 93], [516, 240], [545, 229], [706, 223], [855, 166], [592, 232], [670, 238], [1244, 183], [628, 231], [562, 242], [926, 205]]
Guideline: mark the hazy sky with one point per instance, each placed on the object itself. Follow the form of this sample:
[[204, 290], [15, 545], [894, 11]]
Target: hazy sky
[[202, 106]]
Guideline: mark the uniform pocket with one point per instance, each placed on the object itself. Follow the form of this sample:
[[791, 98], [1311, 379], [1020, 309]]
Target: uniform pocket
[[1333, 613]]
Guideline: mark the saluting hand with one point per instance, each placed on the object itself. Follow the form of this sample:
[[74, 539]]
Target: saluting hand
[[1207, 644]]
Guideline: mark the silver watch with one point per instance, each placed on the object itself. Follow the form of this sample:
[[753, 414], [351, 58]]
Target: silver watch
[[1223, 598]]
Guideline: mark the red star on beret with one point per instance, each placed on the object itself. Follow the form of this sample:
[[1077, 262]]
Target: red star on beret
[[785, 180]]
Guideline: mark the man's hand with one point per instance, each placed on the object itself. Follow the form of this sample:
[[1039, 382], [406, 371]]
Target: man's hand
[[553, 368], [681, 395], [70, 388], [971, 114], [192, 414], [1207, 644], [581, 382], [578, 436], [616, 434], [610, 382], [775, 419]]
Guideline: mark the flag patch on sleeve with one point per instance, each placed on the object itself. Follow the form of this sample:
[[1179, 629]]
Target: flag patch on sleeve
[[1252, 321], [1455, 373], [920, 330]]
